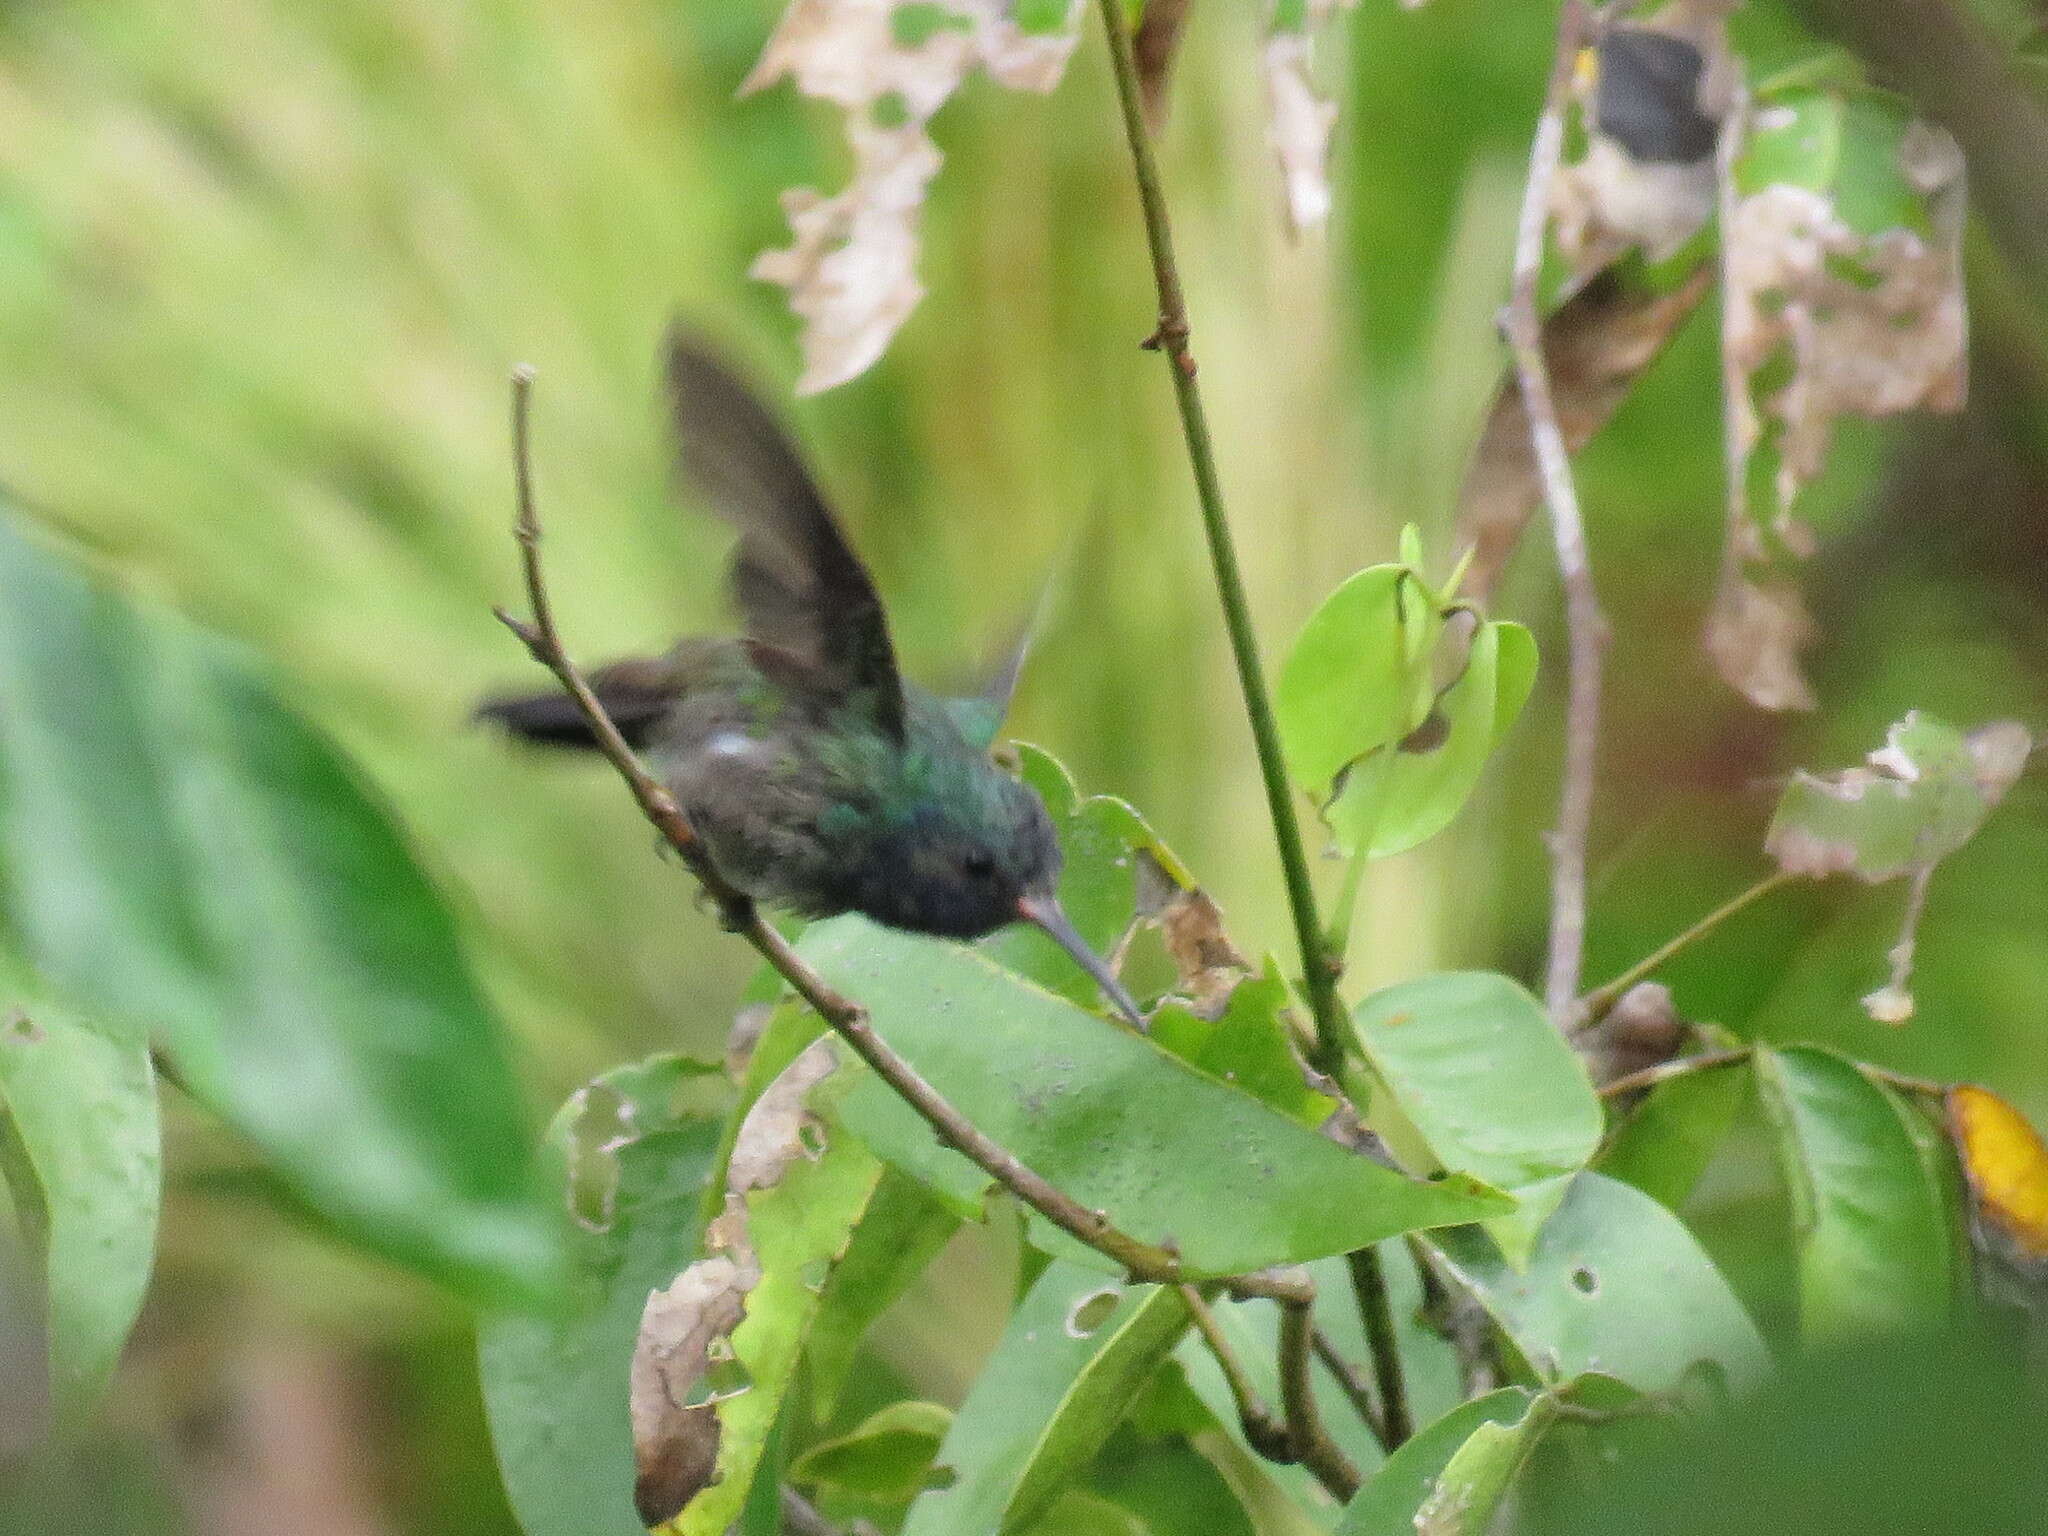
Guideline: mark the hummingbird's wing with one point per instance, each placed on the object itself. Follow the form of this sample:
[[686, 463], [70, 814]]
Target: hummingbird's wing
[[801, 590]]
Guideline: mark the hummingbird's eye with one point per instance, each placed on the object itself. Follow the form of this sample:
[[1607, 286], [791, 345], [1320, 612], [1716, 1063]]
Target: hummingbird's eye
[[978, 865]]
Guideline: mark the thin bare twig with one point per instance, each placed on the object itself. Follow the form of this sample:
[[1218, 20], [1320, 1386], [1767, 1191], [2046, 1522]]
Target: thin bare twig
[[1263, 1432], [1351, 1382], [800, 1517], [1462, 1322], [1664, 1071], [1143, 1261], [1376, 1312], [1318, 965], [1586, 626], [1596, 1004], [1307, 1435]]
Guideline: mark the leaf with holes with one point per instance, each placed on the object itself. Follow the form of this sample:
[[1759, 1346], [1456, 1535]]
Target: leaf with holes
[[1474, 1064], [1073, 1336], [633, 1151], [1874, 1232], [1108, 1117], [1616, 1284], [81, 1160]]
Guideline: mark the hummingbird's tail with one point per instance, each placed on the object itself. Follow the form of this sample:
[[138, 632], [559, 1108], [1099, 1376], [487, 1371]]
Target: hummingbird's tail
[[553, 719]]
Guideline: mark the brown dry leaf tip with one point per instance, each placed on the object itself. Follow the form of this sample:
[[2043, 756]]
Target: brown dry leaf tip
[[851, 269], [1651, 95], [2005, 1163], [1755, 632], [1207, 966], [683, 1362], [685, 1345], [1300, 119]]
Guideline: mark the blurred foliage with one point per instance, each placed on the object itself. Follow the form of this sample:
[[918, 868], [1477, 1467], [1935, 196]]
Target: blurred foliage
[[263, 270]]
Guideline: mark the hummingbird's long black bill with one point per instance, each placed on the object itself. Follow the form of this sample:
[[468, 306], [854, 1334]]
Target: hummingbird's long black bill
[[1044, 913]]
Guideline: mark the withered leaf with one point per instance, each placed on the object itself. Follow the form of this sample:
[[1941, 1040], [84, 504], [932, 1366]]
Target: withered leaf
[[1300, 119], [851, 268], [1154, 47], [1755, 632]]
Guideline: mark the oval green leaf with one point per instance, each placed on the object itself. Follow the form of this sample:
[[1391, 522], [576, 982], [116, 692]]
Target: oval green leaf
[[1617, 1285], [1389, 1503], [1117, 1123], [183, 853], [1357, 677], [1474, 1064], [1875, 1250]]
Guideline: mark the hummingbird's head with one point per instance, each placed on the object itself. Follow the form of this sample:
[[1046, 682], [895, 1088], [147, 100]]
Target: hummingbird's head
[[967, 864]]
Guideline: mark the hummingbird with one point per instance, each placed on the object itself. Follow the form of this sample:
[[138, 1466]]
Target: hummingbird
[[820, 779]]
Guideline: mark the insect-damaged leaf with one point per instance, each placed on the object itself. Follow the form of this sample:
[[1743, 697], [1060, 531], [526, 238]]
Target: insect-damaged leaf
[[82, 1165], [634, 1150], [1919, 798], [1616, 1285], [719, 1345], [891, 64], [1873, 1224], [1842, 271], [1108, 1117]]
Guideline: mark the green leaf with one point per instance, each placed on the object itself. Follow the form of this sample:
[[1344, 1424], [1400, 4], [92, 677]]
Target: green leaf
[[1414, 793], [1468, 1492], [1058, 1329], [887, 1456], [1616, 1284], [1247, 1047], [633, 1150], [1921, 797], [183, 853], [1392, 1500], [1664, 1147], [1475, 1065], [718, 1349], [1127, 1353], [1108, 1117], [83, 1163], [1358, 675], [1875, 1252], [901, 1232]]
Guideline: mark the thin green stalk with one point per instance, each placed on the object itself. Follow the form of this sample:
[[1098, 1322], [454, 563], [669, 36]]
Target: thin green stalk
[[1599, 1002], [1319, 969]]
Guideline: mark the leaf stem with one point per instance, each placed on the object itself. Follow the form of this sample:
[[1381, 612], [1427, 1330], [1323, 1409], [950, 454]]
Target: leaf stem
[[1678, 1066], [1585, 625], [1142, 1261], [1599, 1002], [1376, 1312], [1319, 967], [1307, 1436], [1263, 1432]]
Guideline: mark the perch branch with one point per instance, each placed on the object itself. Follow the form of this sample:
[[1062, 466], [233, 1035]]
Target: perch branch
[[1262, 1431], [1171, 339], [1664, 1071], [1585, 625], [1143, 1261]]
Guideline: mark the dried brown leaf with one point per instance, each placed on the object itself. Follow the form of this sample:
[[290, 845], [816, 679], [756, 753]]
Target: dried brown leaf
[[1300, 119], [1754, 635], [851, 269], [1154, 47]]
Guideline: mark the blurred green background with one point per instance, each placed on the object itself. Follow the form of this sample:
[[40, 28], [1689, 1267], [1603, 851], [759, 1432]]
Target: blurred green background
[[264, 268]]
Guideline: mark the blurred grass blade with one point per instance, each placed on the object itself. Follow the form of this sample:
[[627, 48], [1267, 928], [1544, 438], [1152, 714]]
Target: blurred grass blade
[[1112, 1120], [1876, 1248], [83, 1165], [184, 853], [632, 1149]]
